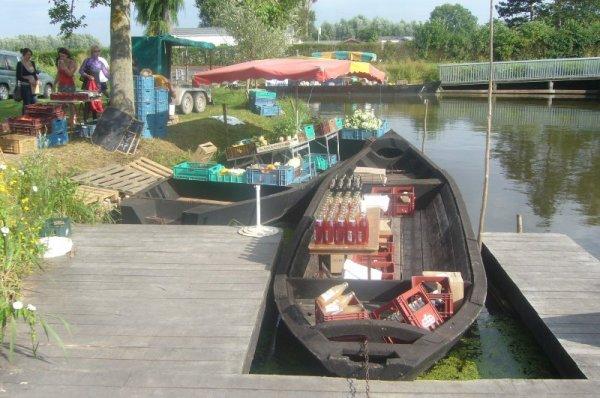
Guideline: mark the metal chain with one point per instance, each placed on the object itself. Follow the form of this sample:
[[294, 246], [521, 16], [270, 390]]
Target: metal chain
[[366, 365], [352, 388]]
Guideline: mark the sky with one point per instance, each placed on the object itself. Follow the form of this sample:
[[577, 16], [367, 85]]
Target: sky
[[35, 19]]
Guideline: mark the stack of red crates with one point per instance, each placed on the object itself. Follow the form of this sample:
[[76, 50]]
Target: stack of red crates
[[30, 125], [443, 300], [396, 192], [382, 261]]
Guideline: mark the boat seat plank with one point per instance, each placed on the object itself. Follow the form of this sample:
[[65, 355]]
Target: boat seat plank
[[412, 245]]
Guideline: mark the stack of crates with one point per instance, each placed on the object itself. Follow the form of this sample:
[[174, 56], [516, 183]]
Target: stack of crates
[[145, 106], [161, 117], [262, 102], [152, 107]]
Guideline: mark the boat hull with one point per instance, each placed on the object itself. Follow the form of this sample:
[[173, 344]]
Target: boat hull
[[451, 246]]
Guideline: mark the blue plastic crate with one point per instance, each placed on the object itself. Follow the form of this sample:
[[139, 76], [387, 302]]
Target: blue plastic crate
[[161, 95], [59, 126], [143, 82], [282, 176], [144, 108], [162, 107], [146, 95], [267, 110], [197, 171], [262, 94], [262, 102], [359, 134]]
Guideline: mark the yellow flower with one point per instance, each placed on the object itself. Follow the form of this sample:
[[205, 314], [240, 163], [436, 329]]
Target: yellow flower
[[24, 200]]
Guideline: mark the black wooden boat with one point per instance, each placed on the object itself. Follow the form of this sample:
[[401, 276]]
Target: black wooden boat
[[438, 236]]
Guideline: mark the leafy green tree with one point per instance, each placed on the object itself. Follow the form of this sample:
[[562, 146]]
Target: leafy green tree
[[275, 13], [157, 15], [517, 12], [455, 17], [254, 37], [559, 11]]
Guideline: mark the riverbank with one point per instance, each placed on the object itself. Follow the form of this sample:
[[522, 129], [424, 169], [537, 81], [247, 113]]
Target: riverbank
[[182, 139]]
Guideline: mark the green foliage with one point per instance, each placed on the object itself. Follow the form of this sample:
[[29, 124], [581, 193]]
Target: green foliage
[[62, 13], [255, 38], [48, 43], [157, 15], [29, 195], [277, 14], [411, 71], [365, 29], [517, 12], [295, 114]]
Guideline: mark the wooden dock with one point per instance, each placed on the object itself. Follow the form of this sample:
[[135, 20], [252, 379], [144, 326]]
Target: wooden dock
[[172, 311], [554, 285]]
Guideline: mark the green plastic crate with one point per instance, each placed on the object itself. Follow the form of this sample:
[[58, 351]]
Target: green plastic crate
[[197, 171], [309, 131], [238, 179], [339, 122]]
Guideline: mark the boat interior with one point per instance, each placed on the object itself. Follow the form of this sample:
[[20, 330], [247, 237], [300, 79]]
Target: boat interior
[[431, 239]]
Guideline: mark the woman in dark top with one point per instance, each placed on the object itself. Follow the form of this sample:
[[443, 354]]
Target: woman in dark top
[[27, 76]]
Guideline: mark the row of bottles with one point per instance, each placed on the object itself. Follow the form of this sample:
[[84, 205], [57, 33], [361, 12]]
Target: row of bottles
[[340, 221], [346, 183]]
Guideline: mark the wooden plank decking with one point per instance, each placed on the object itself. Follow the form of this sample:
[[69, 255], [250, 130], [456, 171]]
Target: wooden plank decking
[[554, 284], [172, 311]]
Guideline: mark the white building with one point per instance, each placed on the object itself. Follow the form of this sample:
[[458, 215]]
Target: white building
[[216, 36], [395, 39]]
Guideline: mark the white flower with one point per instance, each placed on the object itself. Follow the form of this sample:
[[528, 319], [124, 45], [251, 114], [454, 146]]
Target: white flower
[[21, 172], [17, 305], [34, 188], [2, 166], [4, 230], [31, 307]]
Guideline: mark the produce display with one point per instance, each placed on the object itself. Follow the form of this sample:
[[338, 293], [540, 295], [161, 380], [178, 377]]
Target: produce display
[[363, 120]]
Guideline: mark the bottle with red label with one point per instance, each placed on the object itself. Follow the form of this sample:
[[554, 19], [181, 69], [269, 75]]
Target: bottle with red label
[[362, 235], [340, 230], [318, 229], [328, 229], [351, 231]]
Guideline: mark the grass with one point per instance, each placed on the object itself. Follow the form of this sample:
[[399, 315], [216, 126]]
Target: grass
[[411, 71], [181, 141]]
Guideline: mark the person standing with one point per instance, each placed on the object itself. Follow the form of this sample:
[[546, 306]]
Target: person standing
[[66, 67], [95, 68], [27, 76]]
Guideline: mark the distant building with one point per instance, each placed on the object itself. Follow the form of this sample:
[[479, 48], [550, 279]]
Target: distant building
[[352, 40], [395, 39], [216, 36]]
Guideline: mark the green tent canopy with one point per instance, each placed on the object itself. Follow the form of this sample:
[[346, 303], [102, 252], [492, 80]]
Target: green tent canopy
[[154, 52]]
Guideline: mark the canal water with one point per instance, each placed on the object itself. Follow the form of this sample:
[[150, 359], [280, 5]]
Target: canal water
[[545, 166]]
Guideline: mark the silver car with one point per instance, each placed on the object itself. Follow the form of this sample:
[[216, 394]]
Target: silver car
[[8, 76]]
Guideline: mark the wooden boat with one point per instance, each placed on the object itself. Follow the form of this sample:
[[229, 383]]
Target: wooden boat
[[437, 236], [210, 203]]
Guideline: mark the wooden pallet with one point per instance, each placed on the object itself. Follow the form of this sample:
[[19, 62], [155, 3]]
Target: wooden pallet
[[129, 179], [91, 195]]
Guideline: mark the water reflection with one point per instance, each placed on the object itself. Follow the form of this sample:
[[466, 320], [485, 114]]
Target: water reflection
[[546, 158]]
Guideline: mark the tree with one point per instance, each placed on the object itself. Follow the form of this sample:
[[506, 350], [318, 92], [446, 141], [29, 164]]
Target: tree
[[517, 12], [255, 39], [157, 15], [275, 13], [559, 11], [121, 75], [454, 16]]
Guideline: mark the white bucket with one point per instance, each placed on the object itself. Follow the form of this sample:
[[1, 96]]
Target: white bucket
[[171, 110], [56, 246]]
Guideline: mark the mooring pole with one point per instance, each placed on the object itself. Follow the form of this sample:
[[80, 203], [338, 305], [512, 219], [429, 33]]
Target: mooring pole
[[258, 226], [225, 121], [425, 126], [488, 134], [519, 224]]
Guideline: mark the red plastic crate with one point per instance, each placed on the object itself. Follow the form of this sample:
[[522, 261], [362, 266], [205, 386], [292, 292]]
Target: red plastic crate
[[70, 96], [442, 301], [45, 110], [426, 317], [397, 207], [320, 316], [30, 125]]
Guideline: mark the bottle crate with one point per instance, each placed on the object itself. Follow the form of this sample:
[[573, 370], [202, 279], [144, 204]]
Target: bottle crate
[[143, 82], [425, 316], [321, 317], [397, 206], [443, 300]]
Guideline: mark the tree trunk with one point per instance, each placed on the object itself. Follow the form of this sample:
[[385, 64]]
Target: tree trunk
[[167, 20], [120, 56]]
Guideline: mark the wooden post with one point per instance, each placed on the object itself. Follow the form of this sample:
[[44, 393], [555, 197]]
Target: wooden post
[[519, 224], [486, 177], [424, 127], [225, 120]]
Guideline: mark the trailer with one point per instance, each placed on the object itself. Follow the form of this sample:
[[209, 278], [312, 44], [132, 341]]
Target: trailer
[[155, 53]]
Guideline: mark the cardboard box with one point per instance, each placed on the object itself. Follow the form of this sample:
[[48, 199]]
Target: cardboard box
[[456, 284], [204, 152]]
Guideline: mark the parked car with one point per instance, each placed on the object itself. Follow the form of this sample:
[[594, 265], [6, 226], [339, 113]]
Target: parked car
[[8, 76]]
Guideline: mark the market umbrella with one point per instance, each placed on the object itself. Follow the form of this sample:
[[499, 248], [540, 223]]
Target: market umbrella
[[290, 68]]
